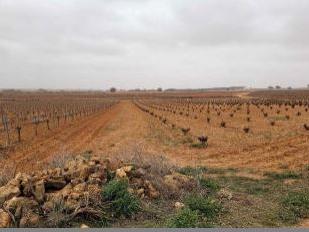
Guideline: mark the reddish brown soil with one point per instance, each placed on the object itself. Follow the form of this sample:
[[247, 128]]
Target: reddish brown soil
[[73, 138], [125, 126]]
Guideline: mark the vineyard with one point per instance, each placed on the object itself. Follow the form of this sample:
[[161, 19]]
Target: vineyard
[[244, 152], [229, 126], [26, 116], [229, 120]]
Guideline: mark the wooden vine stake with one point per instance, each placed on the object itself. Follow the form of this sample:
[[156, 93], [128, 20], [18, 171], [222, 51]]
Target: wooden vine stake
[[47, 124], [58, 120], [18, 130], [5, 123], [36, 122]]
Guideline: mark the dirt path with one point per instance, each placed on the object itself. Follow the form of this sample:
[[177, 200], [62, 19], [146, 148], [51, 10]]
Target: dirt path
[[244, 95]]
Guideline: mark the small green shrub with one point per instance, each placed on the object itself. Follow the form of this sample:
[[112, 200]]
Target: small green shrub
[[248, 185], [115, 189], [104, 222], [209, 184], [110, 175], [122, 202], [295, 206], [186, 218], [220, 171], [187, 140], [199, 145], [206, 206], [283, 175], [192, 171]]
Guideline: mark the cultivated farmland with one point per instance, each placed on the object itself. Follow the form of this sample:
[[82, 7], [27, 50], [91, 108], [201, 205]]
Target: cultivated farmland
[[246, 151]]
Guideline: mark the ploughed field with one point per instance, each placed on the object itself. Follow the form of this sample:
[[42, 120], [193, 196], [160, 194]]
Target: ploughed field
[[262, 130]]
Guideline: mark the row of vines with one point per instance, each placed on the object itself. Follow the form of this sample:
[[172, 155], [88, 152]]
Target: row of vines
[[48, 112], [254, 116]]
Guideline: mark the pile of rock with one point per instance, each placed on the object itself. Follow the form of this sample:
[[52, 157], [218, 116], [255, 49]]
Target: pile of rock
[[28, 199]]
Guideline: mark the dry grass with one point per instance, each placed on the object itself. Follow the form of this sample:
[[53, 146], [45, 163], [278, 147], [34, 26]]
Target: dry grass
[[60, 217], [157, 166], [59, 160], [6, 174]]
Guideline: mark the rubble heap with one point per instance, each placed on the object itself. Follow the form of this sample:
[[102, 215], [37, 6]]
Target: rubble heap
[[29, 199]]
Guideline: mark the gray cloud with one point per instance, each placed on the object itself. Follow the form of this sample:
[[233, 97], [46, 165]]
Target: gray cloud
[[150, 43]]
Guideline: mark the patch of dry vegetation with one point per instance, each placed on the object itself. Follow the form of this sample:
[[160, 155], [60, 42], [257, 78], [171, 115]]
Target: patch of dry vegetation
[[6, 174], [89, 188]]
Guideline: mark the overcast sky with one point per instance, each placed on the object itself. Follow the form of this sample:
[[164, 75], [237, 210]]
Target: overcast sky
[[96, 44]]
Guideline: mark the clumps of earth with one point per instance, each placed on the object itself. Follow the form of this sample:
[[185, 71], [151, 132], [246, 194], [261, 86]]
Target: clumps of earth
[[49, 197]]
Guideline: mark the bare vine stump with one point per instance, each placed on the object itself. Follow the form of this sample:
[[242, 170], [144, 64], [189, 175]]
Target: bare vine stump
[[18, 129]]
